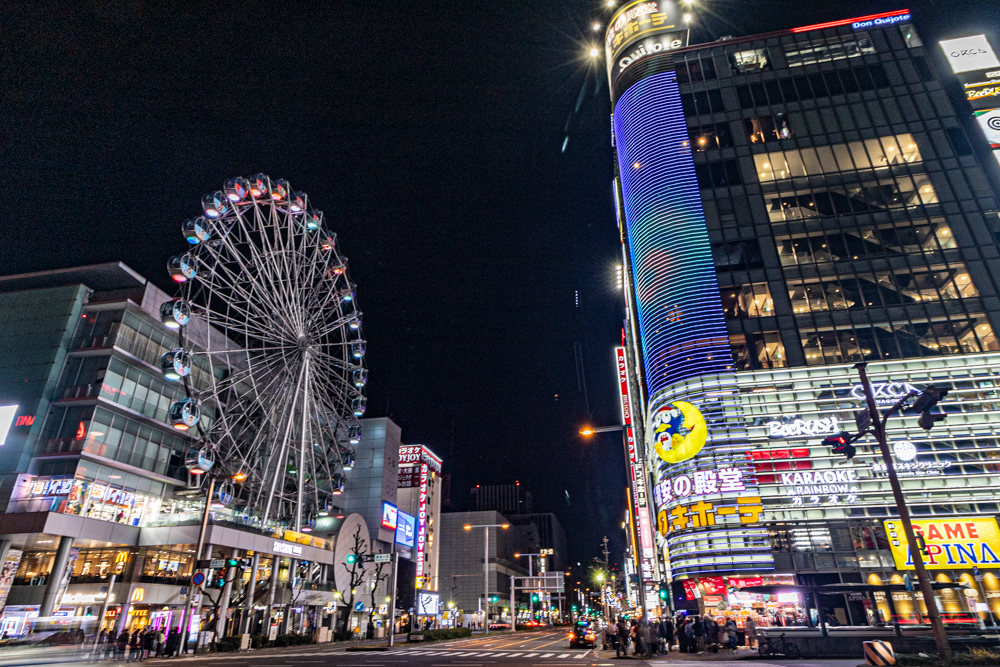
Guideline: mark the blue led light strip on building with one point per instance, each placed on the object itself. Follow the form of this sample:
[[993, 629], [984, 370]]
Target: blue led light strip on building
[[685, 344], [680, 309]]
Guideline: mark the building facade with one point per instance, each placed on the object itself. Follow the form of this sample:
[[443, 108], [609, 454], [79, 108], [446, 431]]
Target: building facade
[[419, 496], [101, 515], [791, 204]]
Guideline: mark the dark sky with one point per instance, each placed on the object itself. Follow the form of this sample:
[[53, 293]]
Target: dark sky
[[430, 135]]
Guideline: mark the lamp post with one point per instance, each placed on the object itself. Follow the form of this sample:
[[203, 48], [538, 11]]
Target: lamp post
[[486, 566], [878, 421]]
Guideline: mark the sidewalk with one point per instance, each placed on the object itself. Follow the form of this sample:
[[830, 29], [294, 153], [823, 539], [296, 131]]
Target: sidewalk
[[675, 656]]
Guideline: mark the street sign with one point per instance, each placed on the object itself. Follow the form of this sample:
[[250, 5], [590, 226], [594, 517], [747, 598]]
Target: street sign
[[198, 579], [184, 590], [383, 558], [217, 563], [863, 420], [908, 582], [359, 606]]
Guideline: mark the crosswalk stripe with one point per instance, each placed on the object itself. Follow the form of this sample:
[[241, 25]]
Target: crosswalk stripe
[[514, 655], [497, 655], [530, 655], [547, 655], [564, 655], [582, 655]]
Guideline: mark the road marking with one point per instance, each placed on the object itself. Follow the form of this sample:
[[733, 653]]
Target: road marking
[[497, 655], [582, 655], [564, 655], [530, 655], [547, 655], [514, 655]]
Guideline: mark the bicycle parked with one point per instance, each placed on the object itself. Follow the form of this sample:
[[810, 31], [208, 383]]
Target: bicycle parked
[[778, 647]]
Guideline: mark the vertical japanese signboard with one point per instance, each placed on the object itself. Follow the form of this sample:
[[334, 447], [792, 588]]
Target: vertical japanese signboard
[[643, 525], [422, 520]]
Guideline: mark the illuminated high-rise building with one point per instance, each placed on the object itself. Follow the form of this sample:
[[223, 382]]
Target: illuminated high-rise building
[[791, 204]]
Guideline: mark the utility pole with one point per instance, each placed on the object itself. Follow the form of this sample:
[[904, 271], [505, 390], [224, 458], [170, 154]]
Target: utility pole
[[878, 424], [604, 597]]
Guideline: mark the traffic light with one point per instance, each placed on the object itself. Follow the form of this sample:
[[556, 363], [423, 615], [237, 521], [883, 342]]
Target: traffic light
[[840, 443], [662, 592], [928, 398], [493, 598], [534, 597], [232, 562], [574, 608], [351, 559]]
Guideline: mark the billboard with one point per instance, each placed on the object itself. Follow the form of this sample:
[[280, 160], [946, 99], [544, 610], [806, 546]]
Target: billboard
[[406, 529], [639, 29], [989, 123], [427, 604], [967, 54], [951, 543], [389, 513]]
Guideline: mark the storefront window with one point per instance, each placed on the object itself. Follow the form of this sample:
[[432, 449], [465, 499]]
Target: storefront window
[[161, 566], [97, 565], [35, 568]]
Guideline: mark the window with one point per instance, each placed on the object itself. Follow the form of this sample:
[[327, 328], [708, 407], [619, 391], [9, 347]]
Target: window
[[736, 256], [958, 141], [812, 86], [923, 69], [754, 60], [823, 50], [909, 35], [768, 128], [702, 69], [877, 195], [867, 154], [747, 301], [702, 102], [718, 174], [764, 350], [705, 137], [959, 335], [926, 236], [881, 288]]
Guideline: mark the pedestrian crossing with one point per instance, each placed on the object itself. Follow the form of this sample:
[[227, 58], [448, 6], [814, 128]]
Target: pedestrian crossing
[[497, 654]]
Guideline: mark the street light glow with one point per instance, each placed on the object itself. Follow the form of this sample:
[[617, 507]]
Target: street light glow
[[505, 526], [586, 431], [593, 53], [687, 18], [597, 26], [468, 527]]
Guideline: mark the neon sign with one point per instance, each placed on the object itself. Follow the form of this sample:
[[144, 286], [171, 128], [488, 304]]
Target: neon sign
[[800, 427]]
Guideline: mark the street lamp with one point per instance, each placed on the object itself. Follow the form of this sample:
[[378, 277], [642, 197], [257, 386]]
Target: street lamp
[[588, 431], [486, 566]]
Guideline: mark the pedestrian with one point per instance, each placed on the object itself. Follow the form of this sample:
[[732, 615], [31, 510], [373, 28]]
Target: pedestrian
[[134, 647], [711, 634], [148, 642], [173, 643], [699, 634], [667, 630], [621, 648], [642, 632], [159, 643], [734, 634], [689, 642], [653, 628], [121, 645], [649, 639], [723, 632], [750, 632]]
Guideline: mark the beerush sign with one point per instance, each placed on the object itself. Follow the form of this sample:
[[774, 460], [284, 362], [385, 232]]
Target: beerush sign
[[955, 543]]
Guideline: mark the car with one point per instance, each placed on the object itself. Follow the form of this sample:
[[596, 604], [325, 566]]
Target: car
[[583, 634]]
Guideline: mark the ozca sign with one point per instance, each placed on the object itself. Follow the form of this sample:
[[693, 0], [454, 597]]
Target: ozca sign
[[885, 393], [802, 427]]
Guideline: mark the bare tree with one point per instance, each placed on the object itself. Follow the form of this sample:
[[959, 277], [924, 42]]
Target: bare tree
[[376, 580], [357, 576]]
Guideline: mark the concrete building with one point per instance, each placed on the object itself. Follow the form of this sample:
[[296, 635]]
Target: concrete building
[[374, 477], [791, 204], [462, 577]]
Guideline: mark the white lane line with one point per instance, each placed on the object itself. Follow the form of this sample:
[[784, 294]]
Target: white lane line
[[530, 655], [547, 655], [582, 655], [564, 655]]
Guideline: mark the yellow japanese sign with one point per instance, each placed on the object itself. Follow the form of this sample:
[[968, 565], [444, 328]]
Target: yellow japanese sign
[[953, 543], [702, 514]]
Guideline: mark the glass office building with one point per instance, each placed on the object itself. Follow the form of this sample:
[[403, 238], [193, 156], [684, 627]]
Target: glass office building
[[791, 204]]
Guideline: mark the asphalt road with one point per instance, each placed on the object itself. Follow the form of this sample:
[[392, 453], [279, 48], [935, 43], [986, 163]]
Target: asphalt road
[[537, 649]]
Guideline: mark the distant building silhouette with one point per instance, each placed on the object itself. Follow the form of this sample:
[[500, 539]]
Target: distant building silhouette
[[508, 499]]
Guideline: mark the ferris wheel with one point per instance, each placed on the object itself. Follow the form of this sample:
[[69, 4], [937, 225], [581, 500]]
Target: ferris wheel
[[271, 353]]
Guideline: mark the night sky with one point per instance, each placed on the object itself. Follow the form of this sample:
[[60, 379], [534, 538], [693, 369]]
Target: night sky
[[430, 134]]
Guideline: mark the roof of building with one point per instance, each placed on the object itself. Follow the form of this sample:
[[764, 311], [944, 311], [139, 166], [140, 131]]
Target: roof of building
[[108, 276]]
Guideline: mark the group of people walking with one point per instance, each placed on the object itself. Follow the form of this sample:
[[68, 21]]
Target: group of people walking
[[135, 647], [691, 634]]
